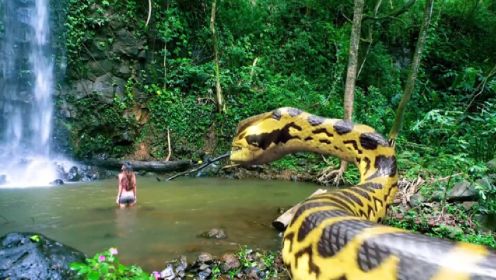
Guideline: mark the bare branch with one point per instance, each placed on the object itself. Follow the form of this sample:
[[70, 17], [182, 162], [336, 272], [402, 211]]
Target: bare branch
[[149, 12]]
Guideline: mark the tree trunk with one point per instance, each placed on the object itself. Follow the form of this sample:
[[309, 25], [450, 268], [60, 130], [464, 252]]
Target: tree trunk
[[412, 75], [218, 89], [349, 90]]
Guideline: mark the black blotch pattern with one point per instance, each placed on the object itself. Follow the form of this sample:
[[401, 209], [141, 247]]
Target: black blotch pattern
[[414, 251], [241, 128], [277, 114], [370, 141], [323, 130], [371, 255], [335, 237], [325, 141], [385, 165], [276, 136], [376, 200], [315, 219], [310, 205], [354, 144], [315, 120], [293, 112], [309, 138], [394, 186], [344, 197], [313, 267], [368, 213], [367, 161], [343, 127], [332, 198], [360, 192], [290, 237], [352, 197], [370, 186]]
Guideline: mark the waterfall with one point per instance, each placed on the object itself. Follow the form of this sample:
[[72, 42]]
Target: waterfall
[[26, 87]]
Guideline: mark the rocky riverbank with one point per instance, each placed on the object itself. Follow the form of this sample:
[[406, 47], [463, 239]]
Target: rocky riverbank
[[244, 264], [35, 256]]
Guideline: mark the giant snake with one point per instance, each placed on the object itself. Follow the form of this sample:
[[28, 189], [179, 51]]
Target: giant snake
[[336, 235]]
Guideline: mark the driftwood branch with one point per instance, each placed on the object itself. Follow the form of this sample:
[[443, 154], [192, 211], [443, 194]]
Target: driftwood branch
[[168, 145], [282, 221], [156, 166], [209, 161]]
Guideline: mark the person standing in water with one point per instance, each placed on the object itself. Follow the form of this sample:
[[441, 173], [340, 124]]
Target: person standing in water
[[127, 194]]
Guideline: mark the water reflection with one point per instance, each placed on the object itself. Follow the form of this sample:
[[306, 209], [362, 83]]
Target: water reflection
[[125, 221]]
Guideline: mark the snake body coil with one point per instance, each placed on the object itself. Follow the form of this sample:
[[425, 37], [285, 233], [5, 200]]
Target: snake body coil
[[336, 235]]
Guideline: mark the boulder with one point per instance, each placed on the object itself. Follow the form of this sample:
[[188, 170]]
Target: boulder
[[127, 44], [108, 86], [57, 182], [123, 71], [36, 257], [73, 174], [491, 166], [485, 183], [99, 48], [98, 68], [462, 191]]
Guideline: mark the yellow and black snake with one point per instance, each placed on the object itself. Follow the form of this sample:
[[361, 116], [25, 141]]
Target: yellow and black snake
[[336, 235]]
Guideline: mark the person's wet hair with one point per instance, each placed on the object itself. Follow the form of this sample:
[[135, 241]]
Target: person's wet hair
[[127, 166]]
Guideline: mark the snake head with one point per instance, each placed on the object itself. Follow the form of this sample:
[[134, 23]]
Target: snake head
[[257, 140]]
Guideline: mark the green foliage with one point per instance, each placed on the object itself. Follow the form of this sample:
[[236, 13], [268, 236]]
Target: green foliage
[[102, 128], [291, 53], [107, 266], [451, 222], [83, 18], [247, 261], [35, 238]]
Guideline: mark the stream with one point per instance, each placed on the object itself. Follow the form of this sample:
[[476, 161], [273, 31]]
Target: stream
[[164, 225]]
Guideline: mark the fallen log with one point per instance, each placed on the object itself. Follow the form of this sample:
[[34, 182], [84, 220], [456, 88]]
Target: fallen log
[[138, 165], [282, 221]]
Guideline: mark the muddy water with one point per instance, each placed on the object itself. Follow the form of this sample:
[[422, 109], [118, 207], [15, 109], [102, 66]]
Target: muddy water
[[166, 222]]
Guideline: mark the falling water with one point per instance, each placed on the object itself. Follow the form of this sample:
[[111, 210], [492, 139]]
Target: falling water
[[26, 86]]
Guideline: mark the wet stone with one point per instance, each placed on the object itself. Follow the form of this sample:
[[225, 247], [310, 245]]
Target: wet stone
[[205, 258], [36, 257], [214, 233], [230, 261]]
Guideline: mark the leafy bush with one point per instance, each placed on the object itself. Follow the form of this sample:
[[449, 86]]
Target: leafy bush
[[107, 266]]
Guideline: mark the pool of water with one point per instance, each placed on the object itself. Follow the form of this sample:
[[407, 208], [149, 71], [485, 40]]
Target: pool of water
[[165, 223]]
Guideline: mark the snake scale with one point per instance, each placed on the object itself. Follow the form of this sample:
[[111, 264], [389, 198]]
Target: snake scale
[[337, 235]]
